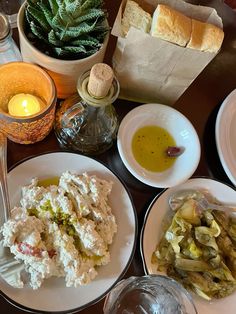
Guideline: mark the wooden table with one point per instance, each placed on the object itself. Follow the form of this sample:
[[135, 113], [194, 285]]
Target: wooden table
[[200, 104]]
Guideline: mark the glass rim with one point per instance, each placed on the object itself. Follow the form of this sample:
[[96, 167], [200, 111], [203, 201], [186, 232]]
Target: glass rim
[[171, 283], [51, 102]]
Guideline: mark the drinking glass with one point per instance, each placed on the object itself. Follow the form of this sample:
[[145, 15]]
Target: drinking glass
[[152, 294]]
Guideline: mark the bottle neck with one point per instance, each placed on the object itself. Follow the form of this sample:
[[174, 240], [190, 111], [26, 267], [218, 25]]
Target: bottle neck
[[82, 87]]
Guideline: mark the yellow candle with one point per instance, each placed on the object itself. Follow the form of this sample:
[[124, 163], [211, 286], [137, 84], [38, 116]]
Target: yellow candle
[[24, 105]]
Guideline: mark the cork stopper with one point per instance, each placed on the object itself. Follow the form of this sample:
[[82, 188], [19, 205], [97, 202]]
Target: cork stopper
[[100, 80]]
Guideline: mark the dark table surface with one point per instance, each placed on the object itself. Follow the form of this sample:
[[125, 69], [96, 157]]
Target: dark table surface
[[200, 104]]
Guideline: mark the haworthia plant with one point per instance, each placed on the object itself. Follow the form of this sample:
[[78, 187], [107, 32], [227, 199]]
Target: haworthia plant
[[66, 29]]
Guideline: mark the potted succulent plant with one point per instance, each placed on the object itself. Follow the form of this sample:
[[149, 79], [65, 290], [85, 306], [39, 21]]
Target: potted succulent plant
[[65, 37]]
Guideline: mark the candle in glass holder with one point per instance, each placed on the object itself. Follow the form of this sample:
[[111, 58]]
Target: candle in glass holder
[[22, 119], [23, 105]]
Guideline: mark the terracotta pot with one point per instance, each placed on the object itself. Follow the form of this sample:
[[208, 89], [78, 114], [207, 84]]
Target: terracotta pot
[[65, 73]]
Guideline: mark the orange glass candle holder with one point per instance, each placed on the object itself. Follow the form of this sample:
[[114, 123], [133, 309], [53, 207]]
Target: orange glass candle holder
[[26, 78]]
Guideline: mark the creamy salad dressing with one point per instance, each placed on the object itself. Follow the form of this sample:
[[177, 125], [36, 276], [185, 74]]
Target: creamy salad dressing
[[64, 230]]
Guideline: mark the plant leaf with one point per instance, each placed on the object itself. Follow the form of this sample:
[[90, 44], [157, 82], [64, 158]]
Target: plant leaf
[[86, 42], [52, 38], [59, 2], [90, 4], [38, 17], [92, 14], [57, 22], [64, 15], [72, 6], [74, 49], [91, 52], [67, 51], [73, 32], [47, 13], [62, 35], [75, 2], [85, 6], [54, 6], [37, 31]]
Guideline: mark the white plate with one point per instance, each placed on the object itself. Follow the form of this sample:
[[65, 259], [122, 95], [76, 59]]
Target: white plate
[[178, 126], [152, 231], [225, 133], [53, 296]]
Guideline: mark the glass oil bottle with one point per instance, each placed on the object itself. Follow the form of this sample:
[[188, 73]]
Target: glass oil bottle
[[88, 122]]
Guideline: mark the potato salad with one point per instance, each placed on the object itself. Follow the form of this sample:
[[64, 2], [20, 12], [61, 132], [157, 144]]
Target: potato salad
[[62, 230]]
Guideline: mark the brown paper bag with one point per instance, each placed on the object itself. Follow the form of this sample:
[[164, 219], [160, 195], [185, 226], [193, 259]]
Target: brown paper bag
[[150, 69]]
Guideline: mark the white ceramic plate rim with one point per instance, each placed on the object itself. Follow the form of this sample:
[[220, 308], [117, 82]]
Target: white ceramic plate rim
[[124, 241], [225, 193], [136, 170], [224, 122]]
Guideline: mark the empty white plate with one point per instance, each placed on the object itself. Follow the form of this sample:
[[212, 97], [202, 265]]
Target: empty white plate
[[225, 134]]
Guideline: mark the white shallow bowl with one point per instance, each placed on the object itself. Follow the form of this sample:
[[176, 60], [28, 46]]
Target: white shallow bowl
[[53, 296], [225, 131], [152, 232], [178, 126]]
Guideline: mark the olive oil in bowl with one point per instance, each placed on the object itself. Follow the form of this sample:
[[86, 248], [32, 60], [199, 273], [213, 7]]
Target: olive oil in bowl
[[149, 145]]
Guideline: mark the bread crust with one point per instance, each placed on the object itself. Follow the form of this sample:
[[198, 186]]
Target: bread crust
[[171, 25], [205, 37], [135, 16]]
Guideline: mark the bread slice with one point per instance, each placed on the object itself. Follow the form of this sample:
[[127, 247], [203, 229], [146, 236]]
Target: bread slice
[[171, 25], [135, 16], [205, 37]]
